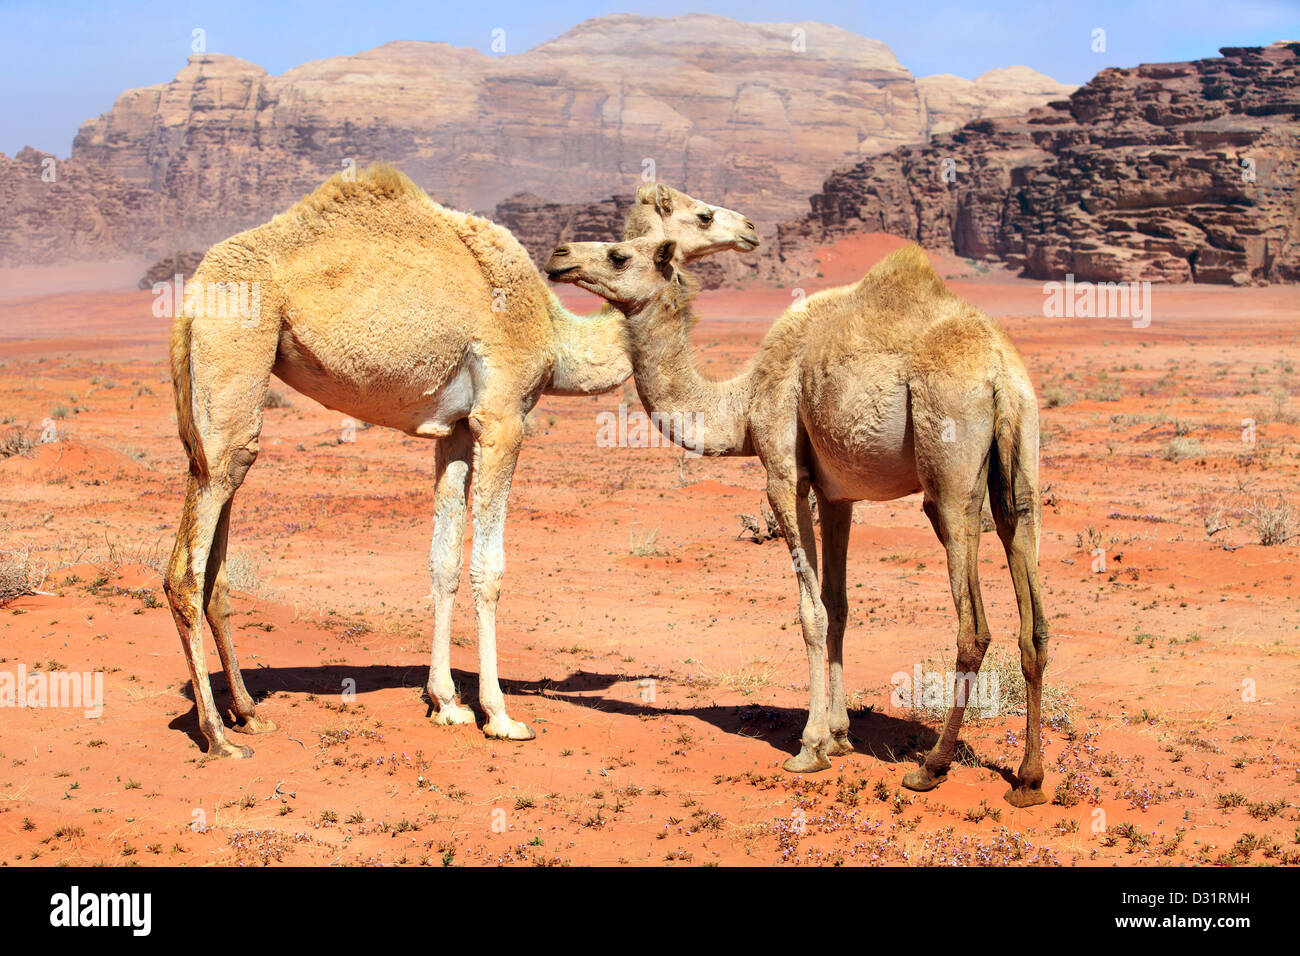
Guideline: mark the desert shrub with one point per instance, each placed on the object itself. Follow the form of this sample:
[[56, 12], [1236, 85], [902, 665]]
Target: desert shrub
[[1105, 392], [244, 572], [274, 399], [1180, 448], [1055, 396], [17, 442], [1271, 519], [1059, 705], [20, 574]]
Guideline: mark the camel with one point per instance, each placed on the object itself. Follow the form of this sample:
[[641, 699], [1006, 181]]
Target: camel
[[376, 301], [870, 391]]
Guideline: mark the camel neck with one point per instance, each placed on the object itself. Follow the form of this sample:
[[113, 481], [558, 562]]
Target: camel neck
[[591, 351], [701, 414]]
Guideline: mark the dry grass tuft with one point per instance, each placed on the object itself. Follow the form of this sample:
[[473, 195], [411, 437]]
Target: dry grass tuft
[[646, 545]]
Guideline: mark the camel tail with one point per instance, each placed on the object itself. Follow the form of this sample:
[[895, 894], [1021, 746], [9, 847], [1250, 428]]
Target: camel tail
[[182, 388], [1015, 436]]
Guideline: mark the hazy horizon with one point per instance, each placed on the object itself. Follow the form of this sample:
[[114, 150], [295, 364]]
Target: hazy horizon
[[59, 69]]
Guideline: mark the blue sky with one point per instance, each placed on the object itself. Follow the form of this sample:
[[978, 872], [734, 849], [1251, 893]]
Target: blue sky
[[64, 62]]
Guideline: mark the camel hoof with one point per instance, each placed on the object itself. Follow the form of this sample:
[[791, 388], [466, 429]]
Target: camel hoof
[[226, 749], [1021, 797], [504, 728], [452, 715], [806, 761], [840, 746], [254, 725], [921, 780]]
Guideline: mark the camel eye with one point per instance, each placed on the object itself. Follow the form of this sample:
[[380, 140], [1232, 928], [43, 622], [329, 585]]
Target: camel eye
[[618, 259], [706, 218]]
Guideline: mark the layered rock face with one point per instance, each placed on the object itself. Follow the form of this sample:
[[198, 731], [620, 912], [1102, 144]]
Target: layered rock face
[[51, 210], [1165, 172], [542, 225], [952, 101], [750, 116]]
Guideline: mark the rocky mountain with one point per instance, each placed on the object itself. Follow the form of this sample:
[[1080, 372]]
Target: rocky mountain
[[1167, 172], [952, 101], [750, 115]]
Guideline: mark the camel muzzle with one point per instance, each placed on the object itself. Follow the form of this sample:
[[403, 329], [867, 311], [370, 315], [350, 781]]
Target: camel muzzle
[[560, 265]]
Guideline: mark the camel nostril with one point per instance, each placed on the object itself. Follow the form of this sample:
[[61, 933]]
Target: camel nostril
[[750, 226], [561, 251]]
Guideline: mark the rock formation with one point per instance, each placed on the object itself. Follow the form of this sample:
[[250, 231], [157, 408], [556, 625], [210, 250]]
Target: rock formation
[[166, 269], [1165, 172], [749, 115]]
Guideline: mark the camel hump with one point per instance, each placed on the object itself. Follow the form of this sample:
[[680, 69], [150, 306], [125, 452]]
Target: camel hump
[[908, 263], [378, 181], [905, 280]]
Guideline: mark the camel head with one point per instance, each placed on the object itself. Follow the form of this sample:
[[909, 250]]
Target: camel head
[[698, 228], [625, 274]]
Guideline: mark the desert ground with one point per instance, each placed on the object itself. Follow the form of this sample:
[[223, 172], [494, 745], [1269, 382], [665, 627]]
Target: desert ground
[[655, 651]]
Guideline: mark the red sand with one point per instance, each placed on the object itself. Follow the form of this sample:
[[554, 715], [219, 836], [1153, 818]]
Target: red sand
[[328, 548]]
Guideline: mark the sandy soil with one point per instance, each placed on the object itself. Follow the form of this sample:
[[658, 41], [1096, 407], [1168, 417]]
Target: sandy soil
[[657, 656]]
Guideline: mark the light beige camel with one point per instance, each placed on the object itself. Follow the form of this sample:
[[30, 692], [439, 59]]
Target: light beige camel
[[866, 392], [374, 300]]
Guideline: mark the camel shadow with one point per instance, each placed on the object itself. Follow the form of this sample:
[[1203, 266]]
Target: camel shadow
[[889, 738], [332, 680]]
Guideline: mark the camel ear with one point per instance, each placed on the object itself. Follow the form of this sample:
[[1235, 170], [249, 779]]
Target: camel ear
[[657, 195], [664, 253]]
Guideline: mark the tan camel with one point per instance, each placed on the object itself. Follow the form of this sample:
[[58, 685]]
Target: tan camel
[[867, 392], [372, 299]]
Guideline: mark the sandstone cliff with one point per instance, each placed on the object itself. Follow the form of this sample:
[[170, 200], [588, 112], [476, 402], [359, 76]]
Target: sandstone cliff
[[750, 115], [1167, 172]]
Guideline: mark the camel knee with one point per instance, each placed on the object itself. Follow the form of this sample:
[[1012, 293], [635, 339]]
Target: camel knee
[[486, 581], [812, 615], [1033, 656], [837, 606], [181, 591], [239, 461], [971, 656], [972, 644], [444, 569]]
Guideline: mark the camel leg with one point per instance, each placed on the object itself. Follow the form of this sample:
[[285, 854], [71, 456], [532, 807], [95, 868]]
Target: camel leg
[[185, 589], [454, 457], [217, 606], [230, 366], [1019, 534], [958, 527], [795, 518], [496, 451], [836, 521]]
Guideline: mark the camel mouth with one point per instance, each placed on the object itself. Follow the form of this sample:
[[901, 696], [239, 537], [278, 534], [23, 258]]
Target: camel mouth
[[561, 273], [747, 243]]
